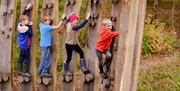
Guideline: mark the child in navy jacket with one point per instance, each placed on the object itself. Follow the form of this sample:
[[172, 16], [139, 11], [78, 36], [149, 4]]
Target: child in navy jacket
[[24, 35]]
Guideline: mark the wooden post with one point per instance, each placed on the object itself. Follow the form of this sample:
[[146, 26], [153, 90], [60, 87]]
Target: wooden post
[[138, 43], [31, 85], [95, 8], [70, 7], [50, 7], [7, 27], [128, 23]]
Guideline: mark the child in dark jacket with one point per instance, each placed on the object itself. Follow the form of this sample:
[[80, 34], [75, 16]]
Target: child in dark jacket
[[24, 37], [102, 45]]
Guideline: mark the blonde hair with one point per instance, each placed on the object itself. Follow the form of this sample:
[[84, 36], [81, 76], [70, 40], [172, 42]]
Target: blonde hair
[[24, 17], [45, 18], [106, 22]]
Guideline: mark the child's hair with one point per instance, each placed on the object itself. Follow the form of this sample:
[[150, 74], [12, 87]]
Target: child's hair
[[45, 18], [106, 22], [24, 17]]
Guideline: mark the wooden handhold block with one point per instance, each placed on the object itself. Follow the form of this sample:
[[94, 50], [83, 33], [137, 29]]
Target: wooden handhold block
[[10, 11], [50, 5], [7, 36], [67, 2], [45, 6], [95, 1], [72, 2], [114, 19]]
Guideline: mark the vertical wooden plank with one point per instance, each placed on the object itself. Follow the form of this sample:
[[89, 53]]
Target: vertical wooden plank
[[71, 8], [52, 12], [30, 86], [128, 22], [138, 43], [8, 7], [95, 8]]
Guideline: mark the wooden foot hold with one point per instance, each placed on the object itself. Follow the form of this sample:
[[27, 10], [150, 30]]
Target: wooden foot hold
[[22, 79], [89, 77], [106, 83], [67, 78], [46, 80], [5, 78]]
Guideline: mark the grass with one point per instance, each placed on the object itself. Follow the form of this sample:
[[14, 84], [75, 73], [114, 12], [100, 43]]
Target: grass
[[165, 77]]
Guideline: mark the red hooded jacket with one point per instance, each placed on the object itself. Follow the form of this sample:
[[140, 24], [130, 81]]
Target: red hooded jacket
[[105, 39]]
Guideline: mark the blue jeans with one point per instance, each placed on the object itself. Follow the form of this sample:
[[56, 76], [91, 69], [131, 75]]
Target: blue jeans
[[45, 60], [24, 56]]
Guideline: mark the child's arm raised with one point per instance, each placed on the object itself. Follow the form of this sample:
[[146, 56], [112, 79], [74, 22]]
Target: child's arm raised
[[76, 27], [60, 23]]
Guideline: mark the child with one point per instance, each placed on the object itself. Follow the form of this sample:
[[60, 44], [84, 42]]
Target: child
[[45, 43], [71, 43], [103, 44], [23, 37]]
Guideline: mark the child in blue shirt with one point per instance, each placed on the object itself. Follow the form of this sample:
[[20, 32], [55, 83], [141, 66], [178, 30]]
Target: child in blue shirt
[[45, 43]]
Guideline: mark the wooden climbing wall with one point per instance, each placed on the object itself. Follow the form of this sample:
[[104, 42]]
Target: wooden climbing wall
[[126, 49], [7, 26]]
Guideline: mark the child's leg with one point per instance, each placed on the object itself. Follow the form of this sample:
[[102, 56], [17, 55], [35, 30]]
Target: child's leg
[[100, 64], [20, 61], [47, 61], [69, 56], [82, 60], [43, 58], [27, 61], [107, 62]]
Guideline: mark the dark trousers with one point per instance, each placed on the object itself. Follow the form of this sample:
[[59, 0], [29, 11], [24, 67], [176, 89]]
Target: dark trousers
[[100, 58], [24, 56], [69, 50]]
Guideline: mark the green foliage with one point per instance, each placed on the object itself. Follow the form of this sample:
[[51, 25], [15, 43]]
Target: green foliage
[[156, 39], [161, 78]]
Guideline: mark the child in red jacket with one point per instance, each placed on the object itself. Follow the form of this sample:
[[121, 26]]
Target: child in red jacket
[[103, 43]]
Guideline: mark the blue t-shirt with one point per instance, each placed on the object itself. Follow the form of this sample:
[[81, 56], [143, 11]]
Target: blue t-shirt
[[46, 34]]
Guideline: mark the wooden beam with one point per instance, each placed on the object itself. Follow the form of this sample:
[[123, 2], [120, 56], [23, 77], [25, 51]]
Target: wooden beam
[[128, 22], [138, 43]]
